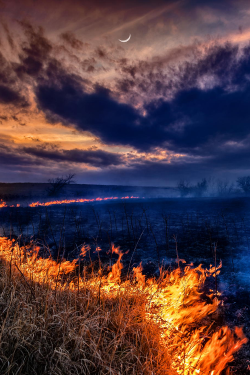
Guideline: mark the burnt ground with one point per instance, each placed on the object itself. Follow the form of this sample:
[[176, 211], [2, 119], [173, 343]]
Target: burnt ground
[[150, 230]]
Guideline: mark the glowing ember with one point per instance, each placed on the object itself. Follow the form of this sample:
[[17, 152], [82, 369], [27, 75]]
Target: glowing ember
[[173, 301], [2, 203]]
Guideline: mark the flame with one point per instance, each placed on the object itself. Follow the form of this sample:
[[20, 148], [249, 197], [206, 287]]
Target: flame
[[84, 250], [2, 203], [137, 273], [67, 201], [115, 273], [173, 301]]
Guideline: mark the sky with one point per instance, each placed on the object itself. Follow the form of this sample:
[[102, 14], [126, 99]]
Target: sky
[[171, 104]]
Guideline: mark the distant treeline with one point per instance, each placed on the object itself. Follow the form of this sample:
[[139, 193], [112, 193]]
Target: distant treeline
[[212, 187]]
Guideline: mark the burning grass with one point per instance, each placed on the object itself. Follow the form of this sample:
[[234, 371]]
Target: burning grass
[[59, 318], [80, 200], [66, 201], [2, 203]]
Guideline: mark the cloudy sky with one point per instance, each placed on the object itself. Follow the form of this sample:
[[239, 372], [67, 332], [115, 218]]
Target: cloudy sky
[[172, 103]]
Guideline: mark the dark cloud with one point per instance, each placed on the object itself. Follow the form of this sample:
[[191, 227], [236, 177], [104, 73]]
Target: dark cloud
[[34, 161], [126, 85], [179, 69], [95, 158], [6, 73], [11, 156], [194, 117], [198, 117], [10, 96], [47, 155], [226, 161], [101, 53], [71, 39], [194, 102], [98, 113], [34, 52], [11, 92]]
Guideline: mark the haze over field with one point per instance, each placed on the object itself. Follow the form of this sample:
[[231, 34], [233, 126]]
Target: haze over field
[[172, 103]]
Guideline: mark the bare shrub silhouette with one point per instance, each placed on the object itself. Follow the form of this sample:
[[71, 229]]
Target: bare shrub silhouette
[[58, 184]]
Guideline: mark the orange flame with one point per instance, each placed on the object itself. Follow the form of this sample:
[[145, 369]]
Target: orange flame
[[140, 278], [2, 203], [84, 250], [174, 302], [115, 273], [68, 201]]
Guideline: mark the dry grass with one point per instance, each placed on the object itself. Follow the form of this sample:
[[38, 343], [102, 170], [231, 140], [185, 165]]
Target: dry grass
[[58, 319], [46, 331]]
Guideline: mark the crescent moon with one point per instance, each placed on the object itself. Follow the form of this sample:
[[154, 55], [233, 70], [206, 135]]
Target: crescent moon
[[126, 40]]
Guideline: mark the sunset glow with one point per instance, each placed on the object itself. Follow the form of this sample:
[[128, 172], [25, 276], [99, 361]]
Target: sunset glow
[[74, 98]]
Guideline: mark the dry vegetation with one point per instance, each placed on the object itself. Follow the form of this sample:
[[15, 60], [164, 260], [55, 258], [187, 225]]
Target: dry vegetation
[[49, 332], [58, 320]]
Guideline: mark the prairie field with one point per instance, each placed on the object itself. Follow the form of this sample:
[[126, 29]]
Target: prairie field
[[152, 235]]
